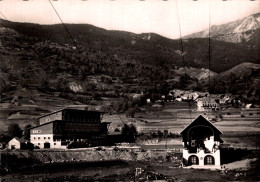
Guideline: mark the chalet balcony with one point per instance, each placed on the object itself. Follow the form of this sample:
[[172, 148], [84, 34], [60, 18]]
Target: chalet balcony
[[198, 150]]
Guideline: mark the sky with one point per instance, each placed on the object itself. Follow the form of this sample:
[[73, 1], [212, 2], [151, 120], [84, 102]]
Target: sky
[[172, 18]]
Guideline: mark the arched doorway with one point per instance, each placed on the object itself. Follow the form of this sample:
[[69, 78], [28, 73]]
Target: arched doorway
[[193, 160], [209, 160], [47, 145]]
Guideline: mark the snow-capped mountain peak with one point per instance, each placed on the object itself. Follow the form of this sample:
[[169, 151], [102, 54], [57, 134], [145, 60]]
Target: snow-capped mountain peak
[[248, 23]]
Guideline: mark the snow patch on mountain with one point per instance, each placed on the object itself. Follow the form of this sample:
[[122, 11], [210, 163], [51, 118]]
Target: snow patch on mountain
[[249, 23]]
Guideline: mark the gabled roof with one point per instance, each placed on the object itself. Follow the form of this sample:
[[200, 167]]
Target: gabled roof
[[50, 113], [43, 124], [68, 109], [21, 140], [201, 120]]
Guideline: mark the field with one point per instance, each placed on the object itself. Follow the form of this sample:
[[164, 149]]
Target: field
[[25, 106], [241, 132], [240, 128]]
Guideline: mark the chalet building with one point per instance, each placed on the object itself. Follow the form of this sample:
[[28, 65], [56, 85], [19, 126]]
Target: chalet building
[[62, 128], [201, 140], [203, 94], [222, 101], [207, 103], [190, 96], [182, 95], [170, 97]]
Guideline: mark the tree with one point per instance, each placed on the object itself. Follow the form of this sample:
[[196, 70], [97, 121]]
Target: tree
[[184, 80], [3, 87], [14, 130], [43, 79], [27, 132], [129, 133], [125, 130], [131, 112], [5, 138]]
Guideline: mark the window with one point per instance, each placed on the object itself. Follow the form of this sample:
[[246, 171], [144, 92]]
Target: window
[[193, 160], [36, 131], [49, 137], [44, 138], [192, 143], [34, 138], [38, 143], [54, 143], [209, 160], [39, 138]]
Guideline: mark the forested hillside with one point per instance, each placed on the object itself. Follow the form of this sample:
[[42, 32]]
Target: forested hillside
[[150, 49], [99, 62]]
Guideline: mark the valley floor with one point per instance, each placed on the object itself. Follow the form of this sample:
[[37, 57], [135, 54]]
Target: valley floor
[[125, 171]]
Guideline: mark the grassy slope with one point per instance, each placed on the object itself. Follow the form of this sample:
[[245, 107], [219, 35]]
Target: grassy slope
[[243, 78]]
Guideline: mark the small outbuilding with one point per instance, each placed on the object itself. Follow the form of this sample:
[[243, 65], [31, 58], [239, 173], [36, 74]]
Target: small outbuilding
[[248, 106], [16, 143]]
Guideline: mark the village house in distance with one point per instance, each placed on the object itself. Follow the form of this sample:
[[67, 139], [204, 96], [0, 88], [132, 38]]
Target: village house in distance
[[201, 140], [67, 127], [204, 100]]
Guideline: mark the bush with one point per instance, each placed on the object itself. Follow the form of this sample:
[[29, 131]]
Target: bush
[[27, 132], [129, 133], [14, 130]]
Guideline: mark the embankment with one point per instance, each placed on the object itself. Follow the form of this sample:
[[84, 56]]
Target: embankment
[[12, 161]]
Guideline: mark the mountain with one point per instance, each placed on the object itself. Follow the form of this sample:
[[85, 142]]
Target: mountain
[[242, 30], [239, 71], [42, 70], [147, 49], [109, 63]]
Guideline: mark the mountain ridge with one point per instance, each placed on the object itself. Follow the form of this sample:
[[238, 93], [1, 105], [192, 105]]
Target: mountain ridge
[[245, 76], [242, 30], [136, 61], [149, 48]]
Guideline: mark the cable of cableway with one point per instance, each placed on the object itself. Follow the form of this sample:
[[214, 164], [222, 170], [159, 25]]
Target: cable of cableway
[[182, 52], [66, 29]]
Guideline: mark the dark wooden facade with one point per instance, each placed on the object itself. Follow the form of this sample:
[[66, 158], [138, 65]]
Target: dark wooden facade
[[71, 125], [77, 116]]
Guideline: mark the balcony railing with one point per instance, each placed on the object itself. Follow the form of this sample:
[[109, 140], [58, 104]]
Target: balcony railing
[[197, 150]]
